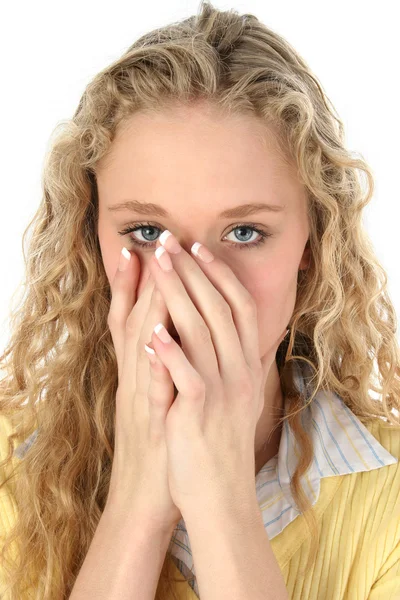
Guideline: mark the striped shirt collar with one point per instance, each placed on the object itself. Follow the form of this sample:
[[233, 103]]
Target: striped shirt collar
[[342, 445]]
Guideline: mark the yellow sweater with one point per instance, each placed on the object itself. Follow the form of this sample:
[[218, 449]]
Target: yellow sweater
[[359, 516]]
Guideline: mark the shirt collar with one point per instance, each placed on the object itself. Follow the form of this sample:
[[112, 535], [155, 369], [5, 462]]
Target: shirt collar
[[342, 445]]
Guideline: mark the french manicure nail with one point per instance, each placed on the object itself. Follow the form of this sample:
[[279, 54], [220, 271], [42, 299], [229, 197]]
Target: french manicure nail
[[173, 245], [163, 258], [151, 354], [202, 252], [162, 333], [124, 259]]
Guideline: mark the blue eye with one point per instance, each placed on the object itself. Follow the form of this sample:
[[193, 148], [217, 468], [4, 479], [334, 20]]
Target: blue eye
[[152, 243]]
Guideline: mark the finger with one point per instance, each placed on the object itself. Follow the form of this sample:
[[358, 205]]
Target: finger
[[242, 305], [197, 307], [188, 381], [236, 329], [195, 336], [157, 311], [123, 298], [160, 393], [125, 319]]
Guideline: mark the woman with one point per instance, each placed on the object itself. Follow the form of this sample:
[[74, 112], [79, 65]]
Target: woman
[[247, 449]]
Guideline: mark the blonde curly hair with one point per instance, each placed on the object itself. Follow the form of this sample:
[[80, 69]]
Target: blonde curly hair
[[61, 351]]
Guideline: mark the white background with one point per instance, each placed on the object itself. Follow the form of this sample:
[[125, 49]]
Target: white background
[[50, 51]]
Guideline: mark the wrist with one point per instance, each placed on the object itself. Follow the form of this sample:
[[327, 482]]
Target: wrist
[[135, 519], [243, 510]]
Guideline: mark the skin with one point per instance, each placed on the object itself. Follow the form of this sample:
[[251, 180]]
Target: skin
[[192, 161]]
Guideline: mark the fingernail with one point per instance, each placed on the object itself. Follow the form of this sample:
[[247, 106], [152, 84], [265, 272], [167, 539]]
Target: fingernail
[[124, 259], [202, 252], [163, 258], [162, 333], [172, 245], [151, 354]]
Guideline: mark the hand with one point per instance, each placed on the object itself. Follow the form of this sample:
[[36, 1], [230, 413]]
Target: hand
[[139, 478], [219, 376]]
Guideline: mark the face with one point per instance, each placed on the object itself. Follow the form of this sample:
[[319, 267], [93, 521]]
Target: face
[[195, 165]]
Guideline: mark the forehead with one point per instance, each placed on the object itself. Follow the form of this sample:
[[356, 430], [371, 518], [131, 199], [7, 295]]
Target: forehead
[[197, 127], [193, 151]]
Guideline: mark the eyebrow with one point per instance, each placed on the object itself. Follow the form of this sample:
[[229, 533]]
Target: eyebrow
[[151, 209]]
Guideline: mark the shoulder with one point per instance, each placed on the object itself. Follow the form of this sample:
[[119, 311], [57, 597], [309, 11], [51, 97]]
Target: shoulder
[[380, 495], [374, 486], [378, 489], [387, 435]]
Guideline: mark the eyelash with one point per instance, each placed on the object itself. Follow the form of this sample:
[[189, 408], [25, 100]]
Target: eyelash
[[263, 234]]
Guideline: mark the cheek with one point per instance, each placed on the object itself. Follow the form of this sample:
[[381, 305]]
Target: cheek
[[110, 251], [110, 247], [273, 288]]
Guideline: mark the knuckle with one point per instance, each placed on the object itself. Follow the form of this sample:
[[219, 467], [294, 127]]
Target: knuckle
[[159, 374], [140, 349], [222, 309], [257, 369], [192, 267], [155, 398], [131, 324], [112, 320], [249, 306], [157, 297], [197, 387], [244, 387], [202, 334]]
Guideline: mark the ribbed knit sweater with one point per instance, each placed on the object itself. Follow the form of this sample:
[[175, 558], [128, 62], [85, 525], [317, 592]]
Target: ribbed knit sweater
[[359, 518]]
